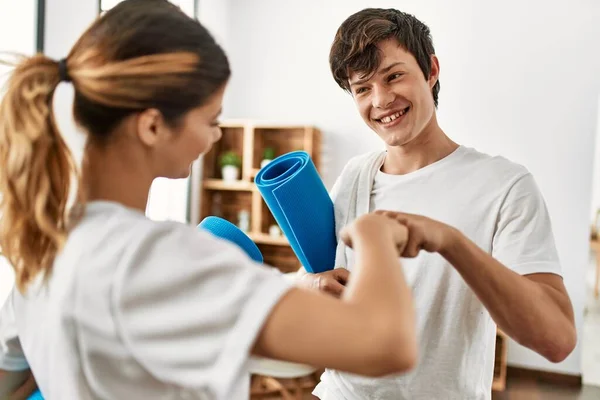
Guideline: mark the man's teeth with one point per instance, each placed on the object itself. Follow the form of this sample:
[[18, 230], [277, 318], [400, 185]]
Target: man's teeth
[[390, 118]]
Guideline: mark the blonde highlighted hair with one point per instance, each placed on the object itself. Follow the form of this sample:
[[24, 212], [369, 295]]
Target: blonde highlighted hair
[[141, 54]]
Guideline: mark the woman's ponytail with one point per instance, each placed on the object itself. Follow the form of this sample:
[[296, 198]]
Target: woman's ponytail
[[36, 170]]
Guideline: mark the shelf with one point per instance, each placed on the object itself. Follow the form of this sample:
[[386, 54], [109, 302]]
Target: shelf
[[232, 141], [249, 139], [218, 184], [282, 140], [226, 203], [263, 238], [279, 256]]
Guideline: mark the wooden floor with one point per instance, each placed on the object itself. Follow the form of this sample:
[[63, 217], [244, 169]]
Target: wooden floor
[[529, 389], [526, 389]]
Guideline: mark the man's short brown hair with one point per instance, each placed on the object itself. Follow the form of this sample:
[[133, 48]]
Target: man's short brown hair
[[354, 48]]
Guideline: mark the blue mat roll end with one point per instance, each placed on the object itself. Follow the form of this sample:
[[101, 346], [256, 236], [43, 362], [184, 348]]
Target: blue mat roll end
[[226, 230]]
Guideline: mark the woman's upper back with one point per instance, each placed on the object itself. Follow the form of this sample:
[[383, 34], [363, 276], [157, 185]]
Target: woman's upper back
[[141, 309]]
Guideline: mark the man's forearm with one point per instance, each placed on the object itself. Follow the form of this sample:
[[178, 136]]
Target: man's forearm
[[534, 314]]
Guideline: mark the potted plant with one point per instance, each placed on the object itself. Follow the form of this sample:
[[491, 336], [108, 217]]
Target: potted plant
[[230, 166], [268, 156]]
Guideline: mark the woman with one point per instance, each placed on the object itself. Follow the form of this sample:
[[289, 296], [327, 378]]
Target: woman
[[112, 305]]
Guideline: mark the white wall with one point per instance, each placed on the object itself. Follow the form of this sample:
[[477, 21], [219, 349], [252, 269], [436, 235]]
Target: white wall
[[62, 31], [214, 14], [596, 181], [18, 27], [519, 78]]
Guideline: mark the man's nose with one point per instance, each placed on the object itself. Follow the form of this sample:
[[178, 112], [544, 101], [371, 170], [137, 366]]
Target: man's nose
[[382, 97]]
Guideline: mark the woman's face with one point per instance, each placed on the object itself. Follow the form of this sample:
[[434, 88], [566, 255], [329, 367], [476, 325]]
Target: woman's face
[[194, 136]]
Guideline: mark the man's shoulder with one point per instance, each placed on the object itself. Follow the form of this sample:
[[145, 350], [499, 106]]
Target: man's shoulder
[[493, 166], [361, 161], [364, 157]]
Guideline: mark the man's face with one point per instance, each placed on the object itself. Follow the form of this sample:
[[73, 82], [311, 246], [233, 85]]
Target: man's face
[[396, 102]]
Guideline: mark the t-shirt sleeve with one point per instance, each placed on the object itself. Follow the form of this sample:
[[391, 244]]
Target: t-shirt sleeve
[[523, 240], [11, 353], [189, 306]]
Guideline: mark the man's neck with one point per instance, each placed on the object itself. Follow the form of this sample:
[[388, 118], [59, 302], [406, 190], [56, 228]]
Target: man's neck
[[430, 146]]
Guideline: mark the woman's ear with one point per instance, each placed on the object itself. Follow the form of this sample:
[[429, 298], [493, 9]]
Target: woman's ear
[[150, 126]]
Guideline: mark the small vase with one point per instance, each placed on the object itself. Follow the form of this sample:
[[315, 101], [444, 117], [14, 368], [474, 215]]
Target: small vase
[[274, 231], [230, 173], [264, 162]]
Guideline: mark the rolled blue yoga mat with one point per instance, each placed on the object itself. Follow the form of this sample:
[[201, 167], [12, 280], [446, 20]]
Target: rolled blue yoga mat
[[300, 203], [226, 230]]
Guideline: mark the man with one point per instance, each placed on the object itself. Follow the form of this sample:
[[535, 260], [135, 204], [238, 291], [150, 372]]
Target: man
[[481, 251]]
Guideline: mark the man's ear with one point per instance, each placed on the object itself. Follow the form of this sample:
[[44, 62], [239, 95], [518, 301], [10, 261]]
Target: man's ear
[[434, 75], [150, 126]]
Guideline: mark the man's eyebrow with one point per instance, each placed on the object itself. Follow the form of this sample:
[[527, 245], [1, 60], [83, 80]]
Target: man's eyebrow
[[389, 67], [380, 72], [360, 81]]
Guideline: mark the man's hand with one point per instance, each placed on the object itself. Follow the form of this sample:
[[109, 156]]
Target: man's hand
[[423, 233], [331, 282], [334, 282]]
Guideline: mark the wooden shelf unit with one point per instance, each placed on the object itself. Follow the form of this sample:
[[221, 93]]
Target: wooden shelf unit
[[249, 139]]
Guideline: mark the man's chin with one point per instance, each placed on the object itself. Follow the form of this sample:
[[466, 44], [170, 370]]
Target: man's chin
[[395, 140]]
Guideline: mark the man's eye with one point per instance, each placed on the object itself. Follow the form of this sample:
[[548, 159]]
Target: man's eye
[[361, 90], [395, 76]]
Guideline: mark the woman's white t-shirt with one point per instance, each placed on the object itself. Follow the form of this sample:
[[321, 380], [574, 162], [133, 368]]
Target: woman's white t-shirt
[[138, 309]]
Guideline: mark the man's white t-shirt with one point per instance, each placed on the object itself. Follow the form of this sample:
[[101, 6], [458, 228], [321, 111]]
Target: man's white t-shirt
[[495, 203], [137, 309]]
